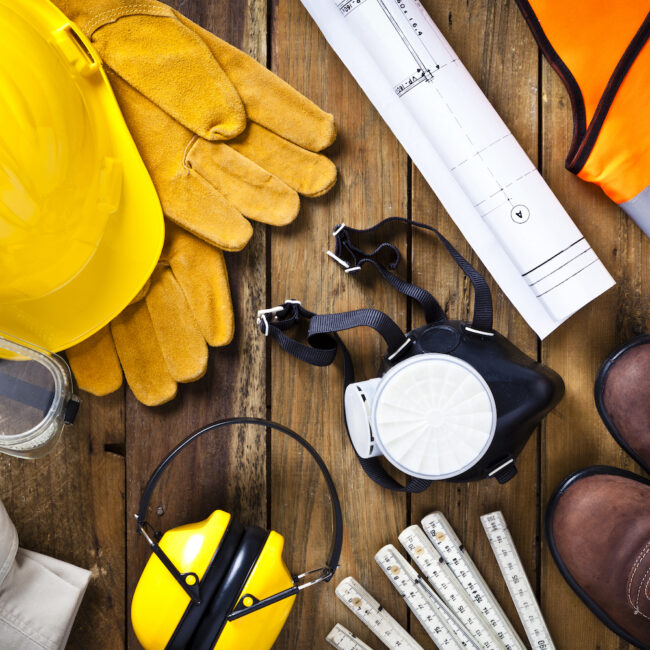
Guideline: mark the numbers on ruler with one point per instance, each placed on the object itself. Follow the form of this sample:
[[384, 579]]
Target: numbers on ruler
[[513, 572], [451, 549], [340, 637], [447, 586], [374, 616]]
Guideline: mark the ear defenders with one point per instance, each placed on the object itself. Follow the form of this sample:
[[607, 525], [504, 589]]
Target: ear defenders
[[216, 584]]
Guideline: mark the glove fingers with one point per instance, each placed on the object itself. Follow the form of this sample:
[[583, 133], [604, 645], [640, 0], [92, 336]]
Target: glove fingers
[[269, 100], [182, 345], [95, 365], [186, 199], [201, 272], [195, 205], [255, 192], [171, 65], [142, 360], [308, 173]]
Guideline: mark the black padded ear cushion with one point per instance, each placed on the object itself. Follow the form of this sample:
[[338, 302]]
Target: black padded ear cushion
[[212, 579], [225, 599]]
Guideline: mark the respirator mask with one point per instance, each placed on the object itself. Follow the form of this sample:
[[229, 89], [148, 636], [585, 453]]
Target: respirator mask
[[451, 400]]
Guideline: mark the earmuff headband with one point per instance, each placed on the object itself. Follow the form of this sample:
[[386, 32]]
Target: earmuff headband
[[189, 581]]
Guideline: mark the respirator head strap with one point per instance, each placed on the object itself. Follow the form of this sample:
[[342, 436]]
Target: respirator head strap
[[274, 322], [482, 319], [345, 250], [189, 581]]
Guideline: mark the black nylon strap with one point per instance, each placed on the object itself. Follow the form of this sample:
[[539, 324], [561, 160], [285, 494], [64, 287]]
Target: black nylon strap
[[335, 555], [26, 393], [323, 344], [354, 258], [384, 325]]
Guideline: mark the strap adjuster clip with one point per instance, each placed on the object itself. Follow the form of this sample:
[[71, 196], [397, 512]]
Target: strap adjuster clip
[[273, 311], [406, 343], [343, 263]]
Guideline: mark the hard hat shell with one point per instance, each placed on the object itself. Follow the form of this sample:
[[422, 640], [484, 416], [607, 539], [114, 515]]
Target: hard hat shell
[[81, 227]]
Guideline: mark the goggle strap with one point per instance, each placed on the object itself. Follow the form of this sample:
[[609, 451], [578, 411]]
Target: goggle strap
[[25, 392]]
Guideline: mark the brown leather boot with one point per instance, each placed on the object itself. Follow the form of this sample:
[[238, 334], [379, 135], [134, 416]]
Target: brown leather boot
[[598, 529], [622, 393]]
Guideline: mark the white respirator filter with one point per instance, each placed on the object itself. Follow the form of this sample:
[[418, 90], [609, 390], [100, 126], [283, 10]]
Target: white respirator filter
[[432, 416]]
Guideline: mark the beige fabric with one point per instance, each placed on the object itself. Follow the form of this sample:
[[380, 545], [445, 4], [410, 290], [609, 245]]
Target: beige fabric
[[39, 595]]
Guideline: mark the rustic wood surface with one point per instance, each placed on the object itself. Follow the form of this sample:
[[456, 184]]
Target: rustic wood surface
[[78, 503]]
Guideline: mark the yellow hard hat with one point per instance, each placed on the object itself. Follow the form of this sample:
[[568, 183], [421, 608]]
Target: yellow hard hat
[[81, 227]]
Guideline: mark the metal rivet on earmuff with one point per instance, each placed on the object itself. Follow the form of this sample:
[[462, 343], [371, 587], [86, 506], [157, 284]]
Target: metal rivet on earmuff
[[190, 579]]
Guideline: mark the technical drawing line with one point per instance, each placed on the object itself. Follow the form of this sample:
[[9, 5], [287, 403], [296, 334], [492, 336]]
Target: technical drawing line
[[402, 35], [539, 295], [523, 275], [561, 267], [347, 6], [466, 153]]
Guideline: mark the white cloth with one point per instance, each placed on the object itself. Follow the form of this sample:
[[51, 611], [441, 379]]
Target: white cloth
[[39, 595]]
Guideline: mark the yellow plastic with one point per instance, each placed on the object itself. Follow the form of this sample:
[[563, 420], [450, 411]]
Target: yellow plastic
[[159, 602], [259, 630], [81, 227]]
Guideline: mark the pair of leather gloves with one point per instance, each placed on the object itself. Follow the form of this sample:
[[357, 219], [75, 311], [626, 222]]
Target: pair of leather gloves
[[224, 140]]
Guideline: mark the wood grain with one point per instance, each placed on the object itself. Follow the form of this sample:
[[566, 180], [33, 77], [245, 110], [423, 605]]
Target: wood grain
[[372, 185], [70, 505], [226, 469], [492, 40], [77, 504]]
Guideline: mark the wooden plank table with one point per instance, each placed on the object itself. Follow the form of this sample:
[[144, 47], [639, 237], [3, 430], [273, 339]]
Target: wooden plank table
[[78, 503]]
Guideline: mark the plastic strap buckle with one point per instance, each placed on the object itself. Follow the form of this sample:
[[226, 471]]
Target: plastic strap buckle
[[504, 471], [479, 332], [343, 263], [273, 312], [406, 343]]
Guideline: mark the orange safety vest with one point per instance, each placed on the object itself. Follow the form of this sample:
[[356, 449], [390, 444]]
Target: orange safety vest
[[600, 50]]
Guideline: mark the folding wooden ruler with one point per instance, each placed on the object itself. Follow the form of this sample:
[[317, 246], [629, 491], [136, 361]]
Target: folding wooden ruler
[[444, 539], [445, 583], [374, 616], [340, 637], [518, 585], [440, 623]]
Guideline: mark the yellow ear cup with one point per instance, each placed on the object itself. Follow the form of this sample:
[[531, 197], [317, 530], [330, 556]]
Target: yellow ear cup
[[159, 602], [259, 630]]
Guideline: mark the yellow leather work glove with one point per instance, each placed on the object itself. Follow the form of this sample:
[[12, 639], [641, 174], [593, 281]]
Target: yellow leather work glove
[[184, 93], [161, 338], [224, 139]]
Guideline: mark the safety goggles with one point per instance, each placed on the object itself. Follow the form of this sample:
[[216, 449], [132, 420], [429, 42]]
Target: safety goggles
[[36, 399]]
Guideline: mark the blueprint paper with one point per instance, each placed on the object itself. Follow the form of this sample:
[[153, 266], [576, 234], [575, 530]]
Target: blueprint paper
[[464, 150]]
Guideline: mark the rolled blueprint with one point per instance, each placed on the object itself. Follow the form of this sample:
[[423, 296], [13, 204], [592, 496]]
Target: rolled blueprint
[[464, 150]]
